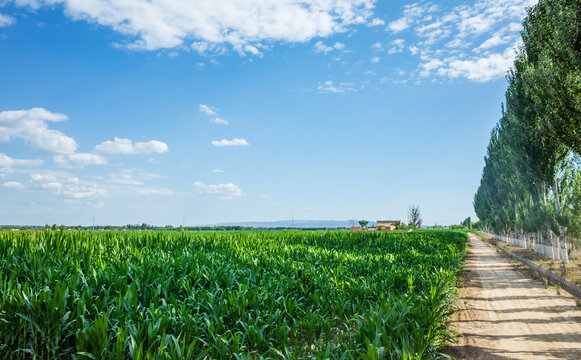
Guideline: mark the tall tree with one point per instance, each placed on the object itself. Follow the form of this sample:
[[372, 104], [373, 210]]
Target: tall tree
[[539, 129], [415, 218], [363, 224]]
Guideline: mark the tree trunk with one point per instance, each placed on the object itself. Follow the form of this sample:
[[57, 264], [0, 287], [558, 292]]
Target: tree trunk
[[529, 238], [562, 240]]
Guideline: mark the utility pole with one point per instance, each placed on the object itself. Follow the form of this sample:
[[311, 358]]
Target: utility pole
[[93, 221]]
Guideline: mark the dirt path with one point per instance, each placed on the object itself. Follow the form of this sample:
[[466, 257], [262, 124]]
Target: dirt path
[[503, 314]]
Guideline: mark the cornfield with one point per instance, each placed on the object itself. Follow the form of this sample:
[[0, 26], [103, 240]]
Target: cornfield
[[226, 295]]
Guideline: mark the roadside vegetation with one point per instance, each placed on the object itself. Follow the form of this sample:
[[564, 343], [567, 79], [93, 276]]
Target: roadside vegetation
[[226, 295], [531, 182]]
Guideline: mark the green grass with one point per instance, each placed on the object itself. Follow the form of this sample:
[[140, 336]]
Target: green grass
[[227, 295]]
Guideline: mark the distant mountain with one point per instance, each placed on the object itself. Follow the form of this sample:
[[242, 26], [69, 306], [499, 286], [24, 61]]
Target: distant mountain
[[331, 224]]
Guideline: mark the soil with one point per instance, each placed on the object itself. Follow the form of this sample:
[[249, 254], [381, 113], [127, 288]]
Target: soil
[[573, 268], [504, 314]]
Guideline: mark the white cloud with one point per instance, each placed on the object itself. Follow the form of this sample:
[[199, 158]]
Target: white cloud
[[330, 87], [457, 43], [443, 37], [127, 147], [431, 65], [6, 20], [411, 13], [376, 22], [131, 177], [219, 121], [13, 185], [399, 25], [400, 72], [233, 142], [339, 46], [80, 160], [207, 109], [223, 191], [8, 162], [31, 125], [155, 25], [81, 191], [252, 49], [67, 186], [154, 191], [481, 69], [375, 59], [433, 32], [203, 47], [492, 42], [217, 170], [397, 46], [376, 45], [322, 48]]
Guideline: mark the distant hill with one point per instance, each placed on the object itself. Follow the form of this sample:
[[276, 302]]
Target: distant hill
[[331, 224]]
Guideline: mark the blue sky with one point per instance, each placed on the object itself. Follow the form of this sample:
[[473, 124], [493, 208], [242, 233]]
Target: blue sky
[[219, 111]]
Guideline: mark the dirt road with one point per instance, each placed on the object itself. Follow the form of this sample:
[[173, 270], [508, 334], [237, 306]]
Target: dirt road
[[503, 314]]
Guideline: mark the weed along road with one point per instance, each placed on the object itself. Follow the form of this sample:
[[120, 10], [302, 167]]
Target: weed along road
[[504, 314]]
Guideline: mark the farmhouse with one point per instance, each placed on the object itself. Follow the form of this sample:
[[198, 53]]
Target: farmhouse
[[387, 225]]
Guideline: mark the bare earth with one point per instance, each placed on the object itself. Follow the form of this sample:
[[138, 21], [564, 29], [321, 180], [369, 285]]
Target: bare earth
[[504, 314]]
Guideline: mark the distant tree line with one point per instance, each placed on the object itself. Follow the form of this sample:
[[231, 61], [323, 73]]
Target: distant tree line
[[531, 180], [148, 227]]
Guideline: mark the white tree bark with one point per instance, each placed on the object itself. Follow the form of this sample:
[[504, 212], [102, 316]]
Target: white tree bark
[[562, 239]]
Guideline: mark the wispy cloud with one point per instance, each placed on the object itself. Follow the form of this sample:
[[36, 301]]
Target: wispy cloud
[[397, 46], [330, 87], [443, 38], [480, 69], [148, 191], [233, 142], [8, 162], [207, 109], [80, 160], [6, 20], [411, 13], [219, 121], [13, 185], [320, 47], [127, 147], [131, 177], [67, 186], [376, 22], [223, 191]]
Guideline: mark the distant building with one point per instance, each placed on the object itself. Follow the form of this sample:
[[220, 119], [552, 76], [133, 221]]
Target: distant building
[[355, 228], [387, 225]]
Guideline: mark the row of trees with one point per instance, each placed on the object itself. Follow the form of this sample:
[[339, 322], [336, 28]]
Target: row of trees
[[531, 180]]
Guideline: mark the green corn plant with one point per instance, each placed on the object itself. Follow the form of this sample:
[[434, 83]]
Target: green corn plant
[[257, 294]]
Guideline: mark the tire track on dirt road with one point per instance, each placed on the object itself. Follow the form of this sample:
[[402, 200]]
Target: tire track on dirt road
[[504, 314]]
